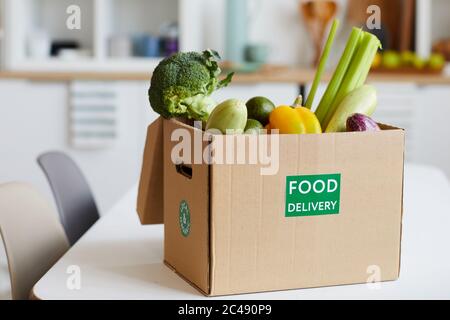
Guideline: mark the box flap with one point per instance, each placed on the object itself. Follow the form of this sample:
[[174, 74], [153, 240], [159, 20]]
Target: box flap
[[150, 193]]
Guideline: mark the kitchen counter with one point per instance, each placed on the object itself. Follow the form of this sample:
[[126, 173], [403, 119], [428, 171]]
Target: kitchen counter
[[269, 74]]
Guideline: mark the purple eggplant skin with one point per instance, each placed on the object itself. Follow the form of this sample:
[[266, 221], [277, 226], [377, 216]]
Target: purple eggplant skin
[[361, 122]]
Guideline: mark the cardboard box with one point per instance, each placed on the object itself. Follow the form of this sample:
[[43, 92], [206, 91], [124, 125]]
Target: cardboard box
[[331, 215]]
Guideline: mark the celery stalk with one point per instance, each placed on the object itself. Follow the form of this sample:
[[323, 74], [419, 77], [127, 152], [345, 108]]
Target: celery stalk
[[375, 45], [322, 63], [357, 72], [339, 73]]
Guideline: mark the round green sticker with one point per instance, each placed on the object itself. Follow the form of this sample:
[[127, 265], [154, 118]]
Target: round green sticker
[[185, 218]]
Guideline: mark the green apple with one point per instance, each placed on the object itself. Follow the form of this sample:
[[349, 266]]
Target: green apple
[[436, 61], [407, 58], [391, 60], [419, 63]]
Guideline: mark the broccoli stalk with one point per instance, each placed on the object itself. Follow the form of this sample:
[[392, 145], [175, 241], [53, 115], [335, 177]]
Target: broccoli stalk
[[181, 85], [199, 107]]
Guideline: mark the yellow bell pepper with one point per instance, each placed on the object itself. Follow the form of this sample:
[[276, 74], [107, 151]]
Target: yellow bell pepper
[[309, 119], [287, 120], [295, 120]]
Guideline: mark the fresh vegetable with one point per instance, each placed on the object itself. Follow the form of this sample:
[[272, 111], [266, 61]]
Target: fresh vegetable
[[355, 68], [253, 126], [294, 119], [391, 60], [181, 85], [309, 119], [338, 76], [362, 100], [287, 120], [259, 108], [322, 64], [361, 122], [229, 115]]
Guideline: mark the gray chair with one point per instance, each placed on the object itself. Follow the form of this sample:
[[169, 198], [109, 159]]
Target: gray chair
[[33, 237], [74, 200]]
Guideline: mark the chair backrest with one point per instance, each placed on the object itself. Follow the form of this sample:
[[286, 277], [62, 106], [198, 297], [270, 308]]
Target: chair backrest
[[74, 200], [32, 235]]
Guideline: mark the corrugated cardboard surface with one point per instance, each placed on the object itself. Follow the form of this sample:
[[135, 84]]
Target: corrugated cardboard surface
[[240, 240], [150, 194], [188, 255], [256, 248]]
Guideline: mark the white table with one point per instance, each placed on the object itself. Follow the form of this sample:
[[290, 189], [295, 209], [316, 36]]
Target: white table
[[120, 259]]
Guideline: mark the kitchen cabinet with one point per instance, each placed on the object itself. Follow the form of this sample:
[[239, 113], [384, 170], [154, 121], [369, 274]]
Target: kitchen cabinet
[[34, 117], [423, 112], [433, 130], [398, 105]]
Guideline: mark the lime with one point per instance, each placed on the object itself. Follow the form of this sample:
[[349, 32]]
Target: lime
[[253, 126], [259, 108]]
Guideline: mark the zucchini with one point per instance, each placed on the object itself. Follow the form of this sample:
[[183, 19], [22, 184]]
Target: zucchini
[[361, 100]]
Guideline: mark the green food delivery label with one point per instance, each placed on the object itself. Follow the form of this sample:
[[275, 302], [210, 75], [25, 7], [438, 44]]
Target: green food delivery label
[[312, 195], [185, 218]]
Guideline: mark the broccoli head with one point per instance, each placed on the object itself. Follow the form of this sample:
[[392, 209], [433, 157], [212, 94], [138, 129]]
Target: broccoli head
[[181, 85]]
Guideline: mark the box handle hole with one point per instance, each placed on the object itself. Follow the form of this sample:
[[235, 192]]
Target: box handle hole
[[184, 170]]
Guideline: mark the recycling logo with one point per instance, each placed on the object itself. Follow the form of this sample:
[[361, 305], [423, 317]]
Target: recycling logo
[[185, 218]]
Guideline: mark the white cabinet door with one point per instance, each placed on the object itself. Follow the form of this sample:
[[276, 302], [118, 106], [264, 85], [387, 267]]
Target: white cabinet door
[[433, 130], [423, 111], [34, 119], [398, 106], [112, 171]]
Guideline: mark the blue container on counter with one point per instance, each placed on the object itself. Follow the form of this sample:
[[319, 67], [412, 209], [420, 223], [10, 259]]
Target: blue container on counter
[[146, 46], [151, 46], [236, 30]]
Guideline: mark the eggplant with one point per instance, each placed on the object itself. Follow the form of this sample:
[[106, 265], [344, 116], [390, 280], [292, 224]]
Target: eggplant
[[361, 122]]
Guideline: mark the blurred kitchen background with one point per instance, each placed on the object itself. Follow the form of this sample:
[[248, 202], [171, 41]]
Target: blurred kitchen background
[[82, 88]]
